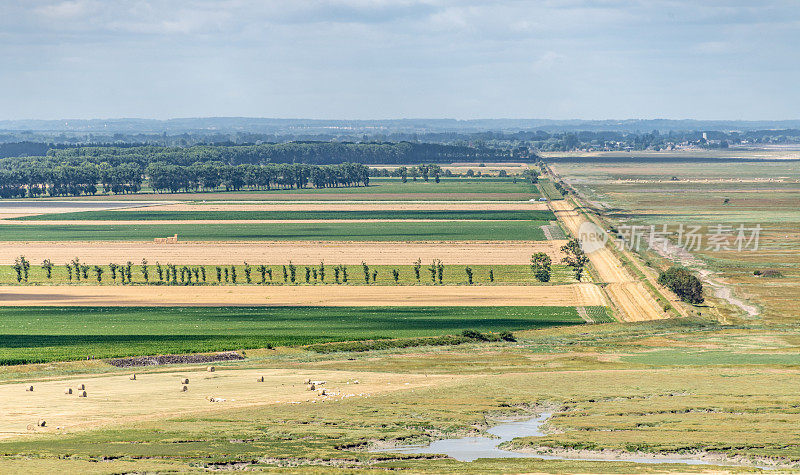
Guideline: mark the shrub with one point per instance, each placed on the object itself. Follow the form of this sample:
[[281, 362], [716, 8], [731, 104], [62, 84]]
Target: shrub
[[685, 285]]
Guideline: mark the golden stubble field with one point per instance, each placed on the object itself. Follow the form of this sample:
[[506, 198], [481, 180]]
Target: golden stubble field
[[299, 252], [115, 398], [582, 294]]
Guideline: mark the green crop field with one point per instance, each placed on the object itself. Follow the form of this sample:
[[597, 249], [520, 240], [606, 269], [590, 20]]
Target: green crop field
[[377, 231], [452, 274], [40, 334], [147, 215]]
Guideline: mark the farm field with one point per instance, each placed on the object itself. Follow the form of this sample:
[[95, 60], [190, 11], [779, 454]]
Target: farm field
[[316, 231], [288, 295], [256, 252], [324, 215], [452, 275], [37, 334], [712, 194]]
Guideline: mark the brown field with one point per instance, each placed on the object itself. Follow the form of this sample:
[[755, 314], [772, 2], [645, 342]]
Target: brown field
[[351, 206], [343, 196], [300, 252], [631, 297], [582, 294], [115, 398], [152, 222]]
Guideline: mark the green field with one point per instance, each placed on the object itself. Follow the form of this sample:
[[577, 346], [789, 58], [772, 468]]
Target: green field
[[377, 231], [147, 215], [40, 334], [452, 275]]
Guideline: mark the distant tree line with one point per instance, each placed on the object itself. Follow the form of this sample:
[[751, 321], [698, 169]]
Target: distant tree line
[[313, 153], [32, 178]]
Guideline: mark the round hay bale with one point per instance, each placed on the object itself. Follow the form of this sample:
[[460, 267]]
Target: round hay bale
[[133, 377], [311, 387], [260, 379], [185, 381], [81, 387], [185, 388], [29, 389], [68, 391], [41, 423], [308, 381], [210, 369], [82, 394]]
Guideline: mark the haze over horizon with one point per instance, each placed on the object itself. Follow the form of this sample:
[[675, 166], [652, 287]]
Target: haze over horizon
[[384, 59]]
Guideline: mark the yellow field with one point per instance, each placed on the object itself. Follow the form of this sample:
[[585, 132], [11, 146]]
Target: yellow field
[[582, 294]]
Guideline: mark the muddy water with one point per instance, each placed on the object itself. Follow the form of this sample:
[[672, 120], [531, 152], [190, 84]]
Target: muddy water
[[468, 449]]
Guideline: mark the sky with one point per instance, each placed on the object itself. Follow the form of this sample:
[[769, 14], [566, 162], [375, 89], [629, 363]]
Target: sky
[[376, 59]]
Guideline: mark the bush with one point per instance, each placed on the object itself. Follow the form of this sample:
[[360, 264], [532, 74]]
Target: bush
[[685, 285]]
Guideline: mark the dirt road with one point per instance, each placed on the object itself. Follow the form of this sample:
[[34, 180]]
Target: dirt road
[[286, 295], [631, 297]]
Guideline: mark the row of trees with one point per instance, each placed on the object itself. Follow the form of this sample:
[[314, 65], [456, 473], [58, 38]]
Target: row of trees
[[32, 179], [170, 274]]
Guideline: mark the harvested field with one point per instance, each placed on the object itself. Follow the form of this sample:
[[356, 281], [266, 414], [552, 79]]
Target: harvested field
[[116, 398], [300, 252], [340, 195], [631, 297], [352, 206], [328, 295]]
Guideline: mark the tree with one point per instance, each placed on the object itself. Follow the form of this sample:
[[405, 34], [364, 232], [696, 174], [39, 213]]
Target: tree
[[219, 274], [336, 274], [48, 268], [203, 273], [285, 275], [308, 274], [292, 272], [160, 272], [25, 267], [575, 257], [99, 272], [262, 269], [128, 266], [113, 268], [468, 270], [374, 276], [491, 275], [432, 269], [417, 267], [440, 271], [540, 265], [18, 269], [396, 275], [685, 285], [145, 271], [233, 274], [247, 272], [322, 271], [85, 271], [69, 271], [365, 267], [76, 263]]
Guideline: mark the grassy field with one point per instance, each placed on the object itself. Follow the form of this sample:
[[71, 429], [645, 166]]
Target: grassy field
[[31, 334], [323, 231], [550, 191], [711, 194], [600, 400], [147, 215], [452, 275]]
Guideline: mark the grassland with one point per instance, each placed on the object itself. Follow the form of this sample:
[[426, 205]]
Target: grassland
[[31, 334], [148, 215], [452, 275], [709, 194], [322, 231]]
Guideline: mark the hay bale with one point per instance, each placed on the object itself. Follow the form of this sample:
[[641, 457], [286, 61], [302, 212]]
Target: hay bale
[[68, 391], [185, 381], [82, 394], [41, 423], [210, 369], [81, 387], [308, 381], [311, 387], [133, 377], [29, 389], [323, 393], [260, 379], [185, 388]]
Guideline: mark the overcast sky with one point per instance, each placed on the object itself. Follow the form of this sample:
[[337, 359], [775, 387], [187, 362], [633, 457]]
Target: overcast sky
[[371, 59]]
